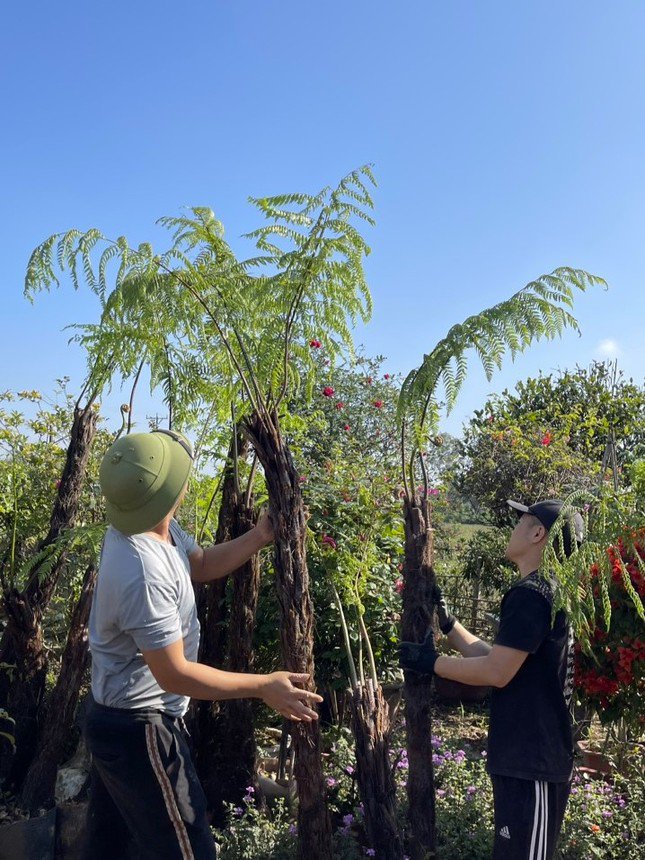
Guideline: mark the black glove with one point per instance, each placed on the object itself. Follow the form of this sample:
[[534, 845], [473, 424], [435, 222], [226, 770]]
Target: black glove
[[419, 657], [446, 620]]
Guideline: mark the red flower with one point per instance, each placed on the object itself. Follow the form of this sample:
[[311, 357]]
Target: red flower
[[340, 405], [315, 344], [329, 541], [346, 427], [369, 380], [328, 391], [546, 439], [378, 403], [386, 376]]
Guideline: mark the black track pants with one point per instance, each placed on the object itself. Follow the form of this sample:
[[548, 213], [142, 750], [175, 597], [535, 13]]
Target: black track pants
[[144, 789], [528, 817]]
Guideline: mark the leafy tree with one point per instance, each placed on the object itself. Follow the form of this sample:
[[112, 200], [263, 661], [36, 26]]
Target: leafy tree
[[28, 588], [549, 437]]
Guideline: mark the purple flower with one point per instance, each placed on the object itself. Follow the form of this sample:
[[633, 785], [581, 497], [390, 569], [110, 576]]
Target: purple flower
[[249, 789], [472, 789], [238, 811], [293, 829], [349, 769], [348, 819], [441, 792], [607, 814], [331, 782], [484, 753], [437, 759], [370, 852]]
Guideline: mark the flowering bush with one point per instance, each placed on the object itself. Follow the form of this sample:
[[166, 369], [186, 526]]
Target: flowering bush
[[610, 676], [603, 820]]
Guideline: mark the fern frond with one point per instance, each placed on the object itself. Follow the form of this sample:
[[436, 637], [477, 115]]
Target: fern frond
[[535, 311]]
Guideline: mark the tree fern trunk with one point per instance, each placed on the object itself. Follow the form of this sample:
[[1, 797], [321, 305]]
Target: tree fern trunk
[[211, 609], [296, 628], [235, 765], [419, 578], [22, 642], [376, 785], [40, 782]]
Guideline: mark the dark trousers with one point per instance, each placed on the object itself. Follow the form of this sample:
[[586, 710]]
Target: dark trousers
[[528, 817], [144, 789]]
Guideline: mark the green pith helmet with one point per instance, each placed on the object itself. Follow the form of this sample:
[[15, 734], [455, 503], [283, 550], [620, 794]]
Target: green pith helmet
[[142, 476]]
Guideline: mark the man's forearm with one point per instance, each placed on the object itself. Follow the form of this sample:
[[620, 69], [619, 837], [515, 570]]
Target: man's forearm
[[205, 682], [466, 643], [224, 558], [477, 671]]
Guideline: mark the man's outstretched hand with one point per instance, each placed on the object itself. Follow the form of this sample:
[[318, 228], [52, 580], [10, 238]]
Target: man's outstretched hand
[[446, 620], [419, 657], [281, 693]]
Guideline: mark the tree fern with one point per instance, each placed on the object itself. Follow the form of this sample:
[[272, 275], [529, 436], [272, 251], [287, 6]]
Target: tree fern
[[538, 310], [307, 281]]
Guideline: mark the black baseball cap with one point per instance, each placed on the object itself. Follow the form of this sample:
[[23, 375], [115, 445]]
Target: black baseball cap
[[547, 513]]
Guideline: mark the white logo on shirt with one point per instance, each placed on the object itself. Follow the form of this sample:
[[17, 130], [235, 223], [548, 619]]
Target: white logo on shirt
[[505, 833]]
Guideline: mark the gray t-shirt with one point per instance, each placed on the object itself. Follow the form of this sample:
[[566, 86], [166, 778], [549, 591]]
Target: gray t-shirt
[[143, 600]]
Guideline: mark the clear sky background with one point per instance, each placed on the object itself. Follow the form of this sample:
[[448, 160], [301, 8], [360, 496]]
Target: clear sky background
[[507, 139]]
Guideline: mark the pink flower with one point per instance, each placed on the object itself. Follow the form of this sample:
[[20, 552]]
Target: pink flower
[[433, 491], [329, 541], [378, 403], [386, 376], [346, 427], [302, 478], [315, 344], [399, 585], [547, 439], [340, 405], [328, 391]]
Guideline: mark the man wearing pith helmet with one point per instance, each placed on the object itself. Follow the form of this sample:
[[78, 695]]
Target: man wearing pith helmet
[[144, 640], [530, 668]]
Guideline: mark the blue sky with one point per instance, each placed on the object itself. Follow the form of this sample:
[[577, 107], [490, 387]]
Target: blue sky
[[507, 139]]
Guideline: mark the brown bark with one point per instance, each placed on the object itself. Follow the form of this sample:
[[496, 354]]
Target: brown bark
[[22, 642], [419, 579], [376, 785], [40, 782], [296, 628], [211, 611], [232, 763]]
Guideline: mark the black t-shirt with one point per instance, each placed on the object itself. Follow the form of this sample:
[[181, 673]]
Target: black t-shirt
[[530, 720]]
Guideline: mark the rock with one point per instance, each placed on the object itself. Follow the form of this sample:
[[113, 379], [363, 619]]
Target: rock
[[72, 776]]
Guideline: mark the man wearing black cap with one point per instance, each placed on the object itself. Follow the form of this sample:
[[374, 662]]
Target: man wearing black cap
[[530, 668]]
